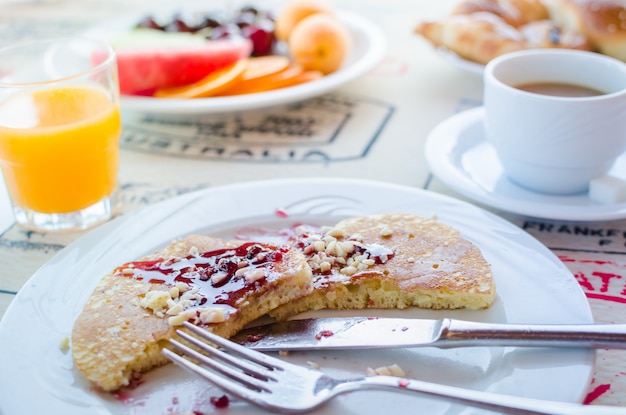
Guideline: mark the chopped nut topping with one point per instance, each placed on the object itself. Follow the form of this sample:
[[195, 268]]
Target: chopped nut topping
[[324, 251], [64, 346], [386, 232], [156, 301], [179, 319], [211, 315], [254, 274], [393, 370], [313, 365]]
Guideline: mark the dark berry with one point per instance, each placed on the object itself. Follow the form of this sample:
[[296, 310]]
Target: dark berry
[[149, 23], [244, 19], [207, 22], [249, 9], [262, 36], [178, 26]]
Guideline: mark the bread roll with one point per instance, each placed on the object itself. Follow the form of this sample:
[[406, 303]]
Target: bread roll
[[478, 37], [514, 12], [546, 34], [603, 22]]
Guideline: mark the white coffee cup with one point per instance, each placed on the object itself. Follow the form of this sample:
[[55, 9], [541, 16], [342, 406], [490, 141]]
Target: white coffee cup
[[555, 144]]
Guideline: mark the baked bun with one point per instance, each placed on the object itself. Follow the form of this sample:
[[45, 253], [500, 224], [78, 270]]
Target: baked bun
[[478, 37], [220, 286], [603, 22], [546, 34], [392, 261], [515, 12]]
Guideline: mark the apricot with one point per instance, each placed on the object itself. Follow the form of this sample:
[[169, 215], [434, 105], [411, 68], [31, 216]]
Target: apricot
[[320, 43], [295, 11]]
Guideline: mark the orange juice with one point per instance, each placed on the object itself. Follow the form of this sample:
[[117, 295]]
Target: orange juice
[[59, 147]]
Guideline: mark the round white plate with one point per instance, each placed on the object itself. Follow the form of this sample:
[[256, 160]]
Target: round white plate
[[367, 50], [458, 154], [533, 287], [462, 63]]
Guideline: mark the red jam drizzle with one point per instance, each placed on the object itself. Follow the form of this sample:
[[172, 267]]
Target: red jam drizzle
[[213, 272], [324, 333], [299, 236], [220, 401]]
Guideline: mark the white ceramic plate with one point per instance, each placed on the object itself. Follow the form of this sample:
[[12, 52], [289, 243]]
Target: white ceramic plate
[[458, 154], [533, 287], [367, 50], [462, 63]]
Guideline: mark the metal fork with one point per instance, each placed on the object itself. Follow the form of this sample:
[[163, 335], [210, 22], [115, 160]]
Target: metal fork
[[278, 386]]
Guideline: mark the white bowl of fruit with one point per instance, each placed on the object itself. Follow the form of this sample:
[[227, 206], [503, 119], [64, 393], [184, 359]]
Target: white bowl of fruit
[[212, 61]]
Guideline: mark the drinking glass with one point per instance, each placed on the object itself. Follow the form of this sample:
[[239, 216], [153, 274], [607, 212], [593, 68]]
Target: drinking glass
[[59, 132]]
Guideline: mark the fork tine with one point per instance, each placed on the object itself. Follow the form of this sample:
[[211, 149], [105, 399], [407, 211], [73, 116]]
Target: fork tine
[[251, 381], [223, 383], [252, 355], [261, 372]]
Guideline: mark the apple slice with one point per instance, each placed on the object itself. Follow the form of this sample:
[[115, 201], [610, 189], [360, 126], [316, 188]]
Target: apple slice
[[149, 59]]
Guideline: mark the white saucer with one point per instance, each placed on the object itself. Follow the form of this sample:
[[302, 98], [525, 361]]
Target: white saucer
[[458, 154]]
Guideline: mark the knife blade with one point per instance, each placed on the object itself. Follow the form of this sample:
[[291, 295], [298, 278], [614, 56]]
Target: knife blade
[[379, 333]]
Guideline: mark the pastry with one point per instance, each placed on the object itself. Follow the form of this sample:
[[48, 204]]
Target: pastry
[[480, 30], [603, 22], [547, 34], [392, 261], [218, 285], [514, 12], [478, 37]]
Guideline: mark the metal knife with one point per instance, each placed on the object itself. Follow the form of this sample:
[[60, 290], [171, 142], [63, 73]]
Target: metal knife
[[378, 333]]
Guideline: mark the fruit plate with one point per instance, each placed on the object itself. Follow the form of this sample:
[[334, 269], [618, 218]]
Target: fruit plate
[[533, 286], [368, 48]]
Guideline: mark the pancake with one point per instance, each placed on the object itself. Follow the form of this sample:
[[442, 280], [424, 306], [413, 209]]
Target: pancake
[[377, 261], [392, 261], [220, 286]]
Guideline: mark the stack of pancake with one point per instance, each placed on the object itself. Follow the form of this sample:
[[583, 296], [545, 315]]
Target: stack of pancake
[[375, 261]]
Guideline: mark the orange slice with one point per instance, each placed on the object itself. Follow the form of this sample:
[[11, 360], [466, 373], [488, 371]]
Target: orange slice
[[292, 76], [210, 85], [261, 66]]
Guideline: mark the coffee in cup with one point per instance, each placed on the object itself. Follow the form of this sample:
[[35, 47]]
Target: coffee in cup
[[555, 117]]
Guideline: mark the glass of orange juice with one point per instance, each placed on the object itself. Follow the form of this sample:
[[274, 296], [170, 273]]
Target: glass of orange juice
[[59, 132]]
